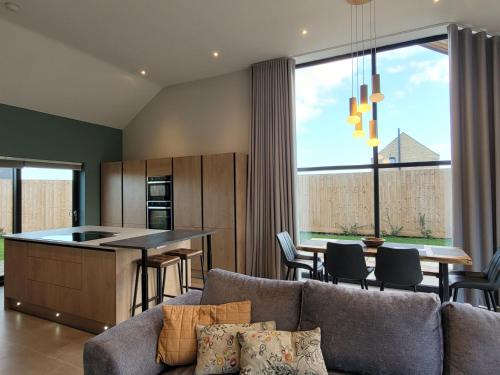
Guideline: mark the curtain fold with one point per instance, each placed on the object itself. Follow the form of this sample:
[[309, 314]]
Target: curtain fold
[[271, 170], [475, 128]]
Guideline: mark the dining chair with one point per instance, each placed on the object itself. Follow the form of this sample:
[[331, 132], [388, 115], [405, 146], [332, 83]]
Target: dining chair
[[346, 261], [293, 260], [399, 267], [488, 281]]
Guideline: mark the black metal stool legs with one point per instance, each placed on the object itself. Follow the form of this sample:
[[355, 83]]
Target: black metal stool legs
[[202, 259], [135, 288]]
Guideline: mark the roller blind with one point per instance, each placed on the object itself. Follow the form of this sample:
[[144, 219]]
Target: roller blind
[[7, 162]]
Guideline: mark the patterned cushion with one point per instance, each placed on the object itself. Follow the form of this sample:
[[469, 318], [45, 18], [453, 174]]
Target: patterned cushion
[[177, 341], [280, 352], [219, 349]]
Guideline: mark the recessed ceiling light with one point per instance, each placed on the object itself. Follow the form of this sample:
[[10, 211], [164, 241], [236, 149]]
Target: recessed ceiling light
[[13, 7], [435, 1], [304, 32], [143, 72], [215, 54]]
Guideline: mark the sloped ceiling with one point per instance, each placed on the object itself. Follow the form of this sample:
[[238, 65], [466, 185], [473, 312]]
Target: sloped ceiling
[[82, 59]]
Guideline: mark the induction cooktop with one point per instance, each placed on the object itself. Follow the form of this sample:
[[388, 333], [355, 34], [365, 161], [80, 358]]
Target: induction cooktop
[[80, 237]]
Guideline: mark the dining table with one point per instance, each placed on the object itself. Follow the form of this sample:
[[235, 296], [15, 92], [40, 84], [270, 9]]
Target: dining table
[[443, 255]]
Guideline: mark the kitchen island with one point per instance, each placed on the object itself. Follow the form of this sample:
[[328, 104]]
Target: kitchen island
[[84, 276]]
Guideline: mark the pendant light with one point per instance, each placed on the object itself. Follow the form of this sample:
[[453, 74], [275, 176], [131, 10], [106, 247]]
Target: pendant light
[[358, 128], [353, 117], [376, 96], [373, 141], [363, 106]]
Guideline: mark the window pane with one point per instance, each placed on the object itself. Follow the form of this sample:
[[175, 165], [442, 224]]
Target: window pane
[[415, 205], [415, 82], [324, 138], [6, 209], [336, 204], [47, 201]]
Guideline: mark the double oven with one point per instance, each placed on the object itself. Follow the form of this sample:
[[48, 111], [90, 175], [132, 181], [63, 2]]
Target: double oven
[[159, 203]]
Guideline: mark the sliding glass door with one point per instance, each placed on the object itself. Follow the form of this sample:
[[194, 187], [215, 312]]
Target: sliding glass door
[[6, 209], [47, 198]]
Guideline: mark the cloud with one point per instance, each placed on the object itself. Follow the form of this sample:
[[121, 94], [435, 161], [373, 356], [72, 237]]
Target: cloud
[[400, 94], [313, 89], [395, 69], [431, 71]]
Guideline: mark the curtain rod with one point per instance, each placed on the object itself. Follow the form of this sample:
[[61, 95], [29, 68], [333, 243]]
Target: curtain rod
[[404, 32]]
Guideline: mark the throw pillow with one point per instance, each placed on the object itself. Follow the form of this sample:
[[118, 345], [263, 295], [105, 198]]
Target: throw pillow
[[219, 349], [177, 341], [280, 352]]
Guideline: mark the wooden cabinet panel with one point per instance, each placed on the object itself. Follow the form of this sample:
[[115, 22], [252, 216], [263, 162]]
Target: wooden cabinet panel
[[187, 192], [134, 194], [111, 194], [218, 191], [223, 249], [16, 273], [159, 167]]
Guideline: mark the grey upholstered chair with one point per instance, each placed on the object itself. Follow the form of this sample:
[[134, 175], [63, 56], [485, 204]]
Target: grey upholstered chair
[[488, 281], [346, 261], [293, 260], [399, 267]]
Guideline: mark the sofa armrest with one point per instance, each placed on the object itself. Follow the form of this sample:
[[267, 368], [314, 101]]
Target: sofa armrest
[[130, 347]]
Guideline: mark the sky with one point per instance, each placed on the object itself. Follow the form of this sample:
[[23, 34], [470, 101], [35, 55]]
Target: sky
[[46, 174], [415, 82]]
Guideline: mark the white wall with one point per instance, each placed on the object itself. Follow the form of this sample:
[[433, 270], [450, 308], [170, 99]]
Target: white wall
[[202, 117]]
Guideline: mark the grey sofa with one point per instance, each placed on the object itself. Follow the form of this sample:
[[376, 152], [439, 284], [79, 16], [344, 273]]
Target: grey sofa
[[363, 332]]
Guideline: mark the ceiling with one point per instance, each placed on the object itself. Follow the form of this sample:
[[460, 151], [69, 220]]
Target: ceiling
[[110, 42]]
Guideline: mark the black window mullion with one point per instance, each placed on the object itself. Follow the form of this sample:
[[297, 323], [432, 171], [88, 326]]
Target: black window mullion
[[376, 180], [17, 206]]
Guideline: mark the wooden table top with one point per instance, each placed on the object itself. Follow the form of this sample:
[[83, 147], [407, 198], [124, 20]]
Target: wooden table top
[[440, 254]]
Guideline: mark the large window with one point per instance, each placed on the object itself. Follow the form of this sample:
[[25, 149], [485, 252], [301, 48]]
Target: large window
[[400, 190]]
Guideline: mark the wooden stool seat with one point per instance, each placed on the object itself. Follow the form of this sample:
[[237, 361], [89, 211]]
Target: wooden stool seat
[[161, 260], [158, 262], [186, 253]]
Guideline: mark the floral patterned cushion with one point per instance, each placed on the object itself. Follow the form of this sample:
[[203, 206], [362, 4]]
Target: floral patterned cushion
[[219, 349], [280, 352]]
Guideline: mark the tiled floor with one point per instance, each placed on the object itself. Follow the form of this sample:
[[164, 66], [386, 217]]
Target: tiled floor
[[29, 345]]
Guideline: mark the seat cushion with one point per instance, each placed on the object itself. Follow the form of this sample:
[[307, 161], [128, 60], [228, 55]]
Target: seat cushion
[[471, 340], [463, 281], [372, 332], [271, 299], [189, 370]]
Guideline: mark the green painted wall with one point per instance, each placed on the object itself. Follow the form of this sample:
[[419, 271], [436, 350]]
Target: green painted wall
[[30, 134]]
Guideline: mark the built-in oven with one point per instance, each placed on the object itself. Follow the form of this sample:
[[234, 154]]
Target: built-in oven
[[159, 203], [160, 188], [159, 215]]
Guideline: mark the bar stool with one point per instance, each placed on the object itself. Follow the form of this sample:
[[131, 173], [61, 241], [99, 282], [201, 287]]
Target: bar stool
[[185, 255], [158, 262]]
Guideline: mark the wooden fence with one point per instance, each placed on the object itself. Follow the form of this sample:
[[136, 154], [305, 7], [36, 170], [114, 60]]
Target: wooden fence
[[413, 202], [46, 204]]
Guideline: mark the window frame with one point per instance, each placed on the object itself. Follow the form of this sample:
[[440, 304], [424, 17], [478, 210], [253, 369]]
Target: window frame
[[375, 166]]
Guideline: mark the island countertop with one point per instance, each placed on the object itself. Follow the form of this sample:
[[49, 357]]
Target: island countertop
[[47, 236]]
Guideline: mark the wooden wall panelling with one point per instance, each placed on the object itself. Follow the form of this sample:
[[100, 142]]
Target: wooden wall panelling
[[218, 191], [187, 192], [111, 194], [159, 167], [223, 249], [241, 169], [134, 194]]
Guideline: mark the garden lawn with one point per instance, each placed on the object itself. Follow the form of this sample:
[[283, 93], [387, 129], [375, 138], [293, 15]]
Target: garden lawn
[[409, 240], [1, 248]]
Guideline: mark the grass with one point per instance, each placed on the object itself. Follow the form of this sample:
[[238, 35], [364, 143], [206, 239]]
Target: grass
[[409, 240], [1, 248]]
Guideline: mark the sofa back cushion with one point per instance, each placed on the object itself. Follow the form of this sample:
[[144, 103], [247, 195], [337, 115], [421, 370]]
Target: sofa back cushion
[[372, 332], [471, 340], [271, 299]]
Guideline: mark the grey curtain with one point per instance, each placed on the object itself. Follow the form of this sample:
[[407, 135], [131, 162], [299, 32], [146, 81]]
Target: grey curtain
[[271, 172], [475, 127]]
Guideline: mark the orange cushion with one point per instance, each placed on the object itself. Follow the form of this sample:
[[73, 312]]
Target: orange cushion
[[177, 342]]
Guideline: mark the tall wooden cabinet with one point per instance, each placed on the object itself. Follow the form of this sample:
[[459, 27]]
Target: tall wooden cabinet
[[134, 194], [111, 194], [224, 208]]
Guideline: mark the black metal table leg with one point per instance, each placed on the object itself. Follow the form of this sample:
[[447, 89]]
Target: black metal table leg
[[440, 281], [144, 279], [443, 273], [159, 288], [315, 265], [209, 252]]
